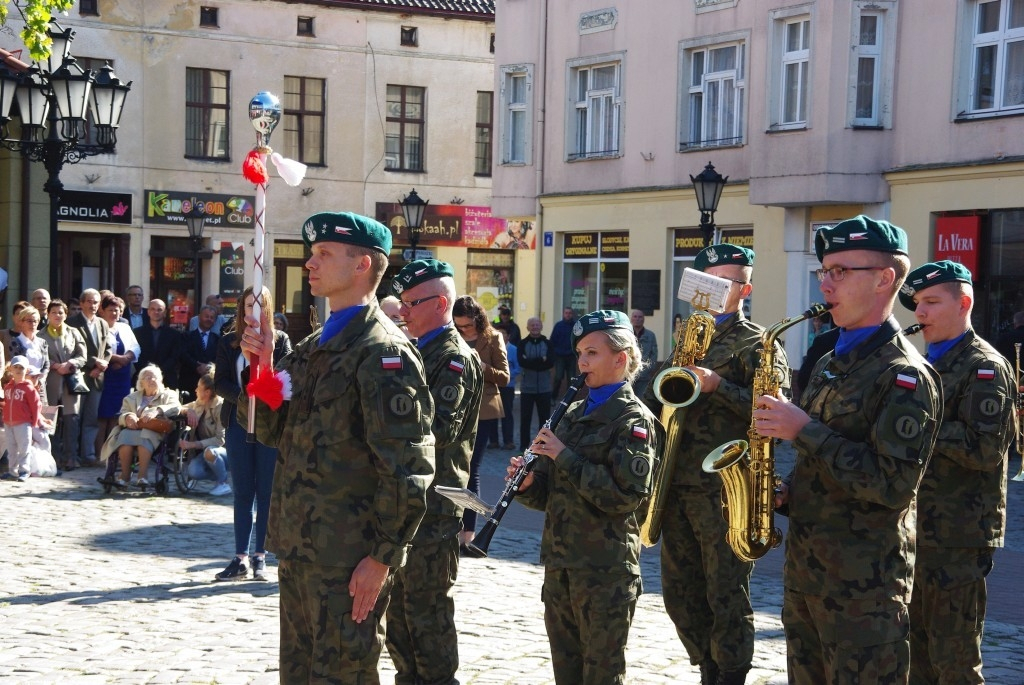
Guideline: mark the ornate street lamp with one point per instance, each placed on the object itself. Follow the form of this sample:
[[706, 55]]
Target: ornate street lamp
[[413, 207], [53, 98], [708, 186], [196, 222]]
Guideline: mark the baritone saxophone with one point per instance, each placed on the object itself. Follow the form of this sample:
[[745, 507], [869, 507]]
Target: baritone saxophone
[[747, 467]]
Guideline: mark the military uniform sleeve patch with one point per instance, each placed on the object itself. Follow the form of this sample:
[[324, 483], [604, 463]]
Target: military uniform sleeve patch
[[449, 394], [907, 381], [391, 363], [640, 466], [457, 366], [986, 374], [907, 426], [639, 432]]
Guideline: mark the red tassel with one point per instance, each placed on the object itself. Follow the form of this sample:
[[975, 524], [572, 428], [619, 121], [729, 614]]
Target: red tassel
[[267, 386], [253, 168]]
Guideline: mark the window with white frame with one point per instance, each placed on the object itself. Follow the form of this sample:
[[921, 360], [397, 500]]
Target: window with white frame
[[997, 56], [796, 61], [713, 113], [516, 130], [871, 67], [594, 115]]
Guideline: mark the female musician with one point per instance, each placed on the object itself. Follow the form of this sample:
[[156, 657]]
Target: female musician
[[593, 474]]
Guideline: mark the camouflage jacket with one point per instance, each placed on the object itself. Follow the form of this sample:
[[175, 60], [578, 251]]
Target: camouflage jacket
[[355, 450], [723, 415], [852, 515], [591, 491], [457, 386], [962, 498]]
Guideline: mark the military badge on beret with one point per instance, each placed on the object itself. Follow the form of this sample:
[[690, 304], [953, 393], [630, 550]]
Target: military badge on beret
[[601, 320], [722, 254], [927, 275], [348, 228], [420, 271]]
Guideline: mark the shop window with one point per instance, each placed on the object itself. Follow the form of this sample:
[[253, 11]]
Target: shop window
[[998, 280], [596, 271], [490, 279]]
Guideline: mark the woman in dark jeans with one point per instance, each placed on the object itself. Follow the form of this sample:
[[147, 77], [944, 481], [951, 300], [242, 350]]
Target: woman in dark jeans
[[252, 464], [476, 330]]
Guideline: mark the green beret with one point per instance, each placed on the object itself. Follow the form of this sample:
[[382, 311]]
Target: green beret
[[600, 320], [860, 233], [722, 255], [420, 271], [932, 273], [348, 228]]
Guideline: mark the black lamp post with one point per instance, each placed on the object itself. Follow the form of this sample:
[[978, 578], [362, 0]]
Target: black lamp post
[[413, 207], [52, 98], [708, 186], [196, 222]]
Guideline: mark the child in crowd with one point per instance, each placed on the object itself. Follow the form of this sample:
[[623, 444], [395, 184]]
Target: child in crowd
[[22, 413]]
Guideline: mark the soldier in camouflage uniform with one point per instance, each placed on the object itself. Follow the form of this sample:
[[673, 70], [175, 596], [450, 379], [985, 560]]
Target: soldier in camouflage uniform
[[863, 433], [355, 459], [705, 586], [961, 504], [592, 480], [421, 636]]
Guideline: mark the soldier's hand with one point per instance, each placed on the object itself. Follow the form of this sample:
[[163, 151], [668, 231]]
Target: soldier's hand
[[782, 496], [514, 464], [709, 380], [546, 444], [364, 587], [777, 417]]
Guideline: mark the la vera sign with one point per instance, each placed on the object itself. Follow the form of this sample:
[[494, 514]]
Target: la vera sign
[[957, 238]]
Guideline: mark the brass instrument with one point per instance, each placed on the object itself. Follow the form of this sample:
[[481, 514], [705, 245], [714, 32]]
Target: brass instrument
[[747, 467], [1019, 405], [676, 387]]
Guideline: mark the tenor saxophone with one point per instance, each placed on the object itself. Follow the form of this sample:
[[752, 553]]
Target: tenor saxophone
[[747, 467]]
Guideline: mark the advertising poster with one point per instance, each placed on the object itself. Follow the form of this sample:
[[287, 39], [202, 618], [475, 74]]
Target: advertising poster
[[232, 274]]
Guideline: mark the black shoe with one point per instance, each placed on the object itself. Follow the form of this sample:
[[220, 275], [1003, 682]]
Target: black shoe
[[259, 568], [236, 570]]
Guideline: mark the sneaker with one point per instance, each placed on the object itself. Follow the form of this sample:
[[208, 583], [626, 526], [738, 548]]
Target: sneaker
[[119, 482], [259, 568], [236, 570], [22, 477], [220, 489], [142, 483]]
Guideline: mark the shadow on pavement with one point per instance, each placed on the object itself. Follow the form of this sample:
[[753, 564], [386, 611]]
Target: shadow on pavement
[[150, 593]]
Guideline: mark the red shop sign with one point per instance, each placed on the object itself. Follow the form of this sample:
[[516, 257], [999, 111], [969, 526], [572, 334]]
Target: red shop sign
[[957, 238]]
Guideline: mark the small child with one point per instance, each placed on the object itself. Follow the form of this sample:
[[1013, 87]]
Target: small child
[[22, 413]]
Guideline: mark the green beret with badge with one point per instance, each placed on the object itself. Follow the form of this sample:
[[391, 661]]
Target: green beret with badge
[[420, 271], [347, 228], [722, 255], [601, 320], [932, 273], [860, 233]]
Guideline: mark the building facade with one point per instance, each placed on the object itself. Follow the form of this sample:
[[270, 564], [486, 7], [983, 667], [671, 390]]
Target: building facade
[[378, 98], [815, 111]]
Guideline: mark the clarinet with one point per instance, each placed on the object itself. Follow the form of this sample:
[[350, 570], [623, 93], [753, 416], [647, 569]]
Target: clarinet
[[478, 547]]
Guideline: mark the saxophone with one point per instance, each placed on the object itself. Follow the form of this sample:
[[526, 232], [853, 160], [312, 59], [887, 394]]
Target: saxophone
[[747, 467]]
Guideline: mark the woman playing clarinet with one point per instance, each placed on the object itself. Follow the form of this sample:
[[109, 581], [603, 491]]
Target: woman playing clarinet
[[595, 474]]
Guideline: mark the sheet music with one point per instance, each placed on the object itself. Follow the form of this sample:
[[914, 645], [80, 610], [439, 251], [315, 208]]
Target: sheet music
[[465, 498], [696, 282]]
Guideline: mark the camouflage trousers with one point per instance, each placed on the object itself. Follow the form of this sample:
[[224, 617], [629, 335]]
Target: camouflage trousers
[[947, 615], [706, 588], [832, 641], [587, 615], [421, 637], [320, 643]]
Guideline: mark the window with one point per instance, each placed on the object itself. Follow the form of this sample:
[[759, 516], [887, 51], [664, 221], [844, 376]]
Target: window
[[208, 17], [713, 114], [410, 36], [997, 57], [594, 123], [88, 7], [795, 63], [484, 128], [303, 110], [595, 270], [305, 27], [403, 143], [516, 99], [206, 113], [871, 67]]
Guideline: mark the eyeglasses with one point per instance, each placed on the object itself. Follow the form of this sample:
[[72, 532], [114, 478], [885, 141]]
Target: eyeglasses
[[466, 326], [736, 282], [410, 305], [838, 273]]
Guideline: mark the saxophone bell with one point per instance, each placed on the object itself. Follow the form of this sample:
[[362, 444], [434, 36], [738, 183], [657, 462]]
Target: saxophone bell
[[677, 387]]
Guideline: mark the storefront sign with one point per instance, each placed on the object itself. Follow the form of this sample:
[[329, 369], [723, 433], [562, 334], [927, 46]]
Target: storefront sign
[[580, 246], [956, 239], [459, 226], [96, 208], [615, 245], [687, 242], [744, 237], [232, 273], [169, 207]]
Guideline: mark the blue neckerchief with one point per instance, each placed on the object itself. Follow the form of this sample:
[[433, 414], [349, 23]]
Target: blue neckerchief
[[422, 342], [720, 318], [599, 396], [337, 321], [849, 338], [936, 350]]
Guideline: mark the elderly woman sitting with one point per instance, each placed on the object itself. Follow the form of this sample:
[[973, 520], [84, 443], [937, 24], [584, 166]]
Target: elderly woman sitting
[[151, 400]]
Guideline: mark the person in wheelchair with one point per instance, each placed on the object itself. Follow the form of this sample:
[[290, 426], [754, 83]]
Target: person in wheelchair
[[206, 436], [142, 425]]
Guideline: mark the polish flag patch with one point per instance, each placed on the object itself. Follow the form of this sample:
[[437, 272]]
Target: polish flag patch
[[858, 236], [343, 230], [391, 363], [456, 366], [639, 432], [986, 374], [905, 381]]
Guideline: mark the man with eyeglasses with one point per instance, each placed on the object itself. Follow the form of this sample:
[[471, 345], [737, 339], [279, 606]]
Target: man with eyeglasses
[[706, 587], [135, 312], [421, 636], [863, 434]]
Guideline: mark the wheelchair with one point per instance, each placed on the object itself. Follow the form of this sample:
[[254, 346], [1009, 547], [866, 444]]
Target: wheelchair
[[169, 461]]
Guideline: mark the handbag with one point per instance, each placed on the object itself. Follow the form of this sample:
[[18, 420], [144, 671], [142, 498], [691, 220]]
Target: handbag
[[75, 383], [157, 424]]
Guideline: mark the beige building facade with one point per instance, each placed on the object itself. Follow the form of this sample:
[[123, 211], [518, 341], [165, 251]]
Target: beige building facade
[[815, 111]]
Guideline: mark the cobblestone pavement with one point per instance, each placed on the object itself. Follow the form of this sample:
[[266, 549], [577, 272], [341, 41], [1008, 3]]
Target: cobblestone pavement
[[118, 589]]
